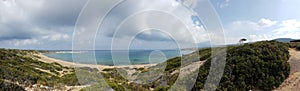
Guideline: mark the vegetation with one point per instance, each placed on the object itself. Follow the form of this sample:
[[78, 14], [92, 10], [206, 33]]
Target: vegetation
[[242, 40], [257, 66], [175, 63], [69, 79], [22, 66], [6, 86]]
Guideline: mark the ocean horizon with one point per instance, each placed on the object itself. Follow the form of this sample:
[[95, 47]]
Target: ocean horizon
[[104, 57]]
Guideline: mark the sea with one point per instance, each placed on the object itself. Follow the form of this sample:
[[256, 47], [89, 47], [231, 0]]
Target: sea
[[117, 57]]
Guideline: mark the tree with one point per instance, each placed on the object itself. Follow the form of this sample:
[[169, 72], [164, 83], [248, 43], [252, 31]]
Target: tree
[[242, 40]]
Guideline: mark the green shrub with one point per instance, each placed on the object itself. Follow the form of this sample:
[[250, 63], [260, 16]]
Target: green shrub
[[69, 79], [161, 88], [5, 86], [116, 86], [257, 66], [109, 69]]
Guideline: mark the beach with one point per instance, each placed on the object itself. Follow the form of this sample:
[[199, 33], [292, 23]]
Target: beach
[[46, 59]]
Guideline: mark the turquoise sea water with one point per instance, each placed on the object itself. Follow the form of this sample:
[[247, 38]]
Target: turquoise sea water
[[104, 57]]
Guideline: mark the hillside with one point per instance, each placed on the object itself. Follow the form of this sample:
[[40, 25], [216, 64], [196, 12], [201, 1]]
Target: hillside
[[256, 66], [22, 70]]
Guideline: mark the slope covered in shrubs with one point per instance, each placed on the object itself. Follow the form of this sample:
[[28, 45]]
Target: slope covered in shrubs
[[256, 66], [23, 67]]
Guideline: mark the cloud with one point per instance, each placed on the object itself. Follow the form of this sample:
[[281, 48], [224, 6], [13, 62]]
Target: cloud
[[253, 38], [288, 26], [250, 25], [33, 23], [223, 3], [259, 30], [153, 35], [56, 37], [264, 29], [25, 42], [168, 16], [266, 22], [52, 12], [288, 29], [37, 23]]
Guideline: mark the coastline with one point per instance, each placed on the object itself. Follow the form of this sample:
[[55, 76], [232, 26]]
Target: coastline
[[46, 59]]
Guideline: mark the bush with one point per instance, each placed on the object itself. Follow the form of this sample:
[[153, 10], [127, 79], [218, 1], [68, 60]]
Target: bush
[[257, 66], [116, 86], [4, 86], [70, 79], [161, 88]]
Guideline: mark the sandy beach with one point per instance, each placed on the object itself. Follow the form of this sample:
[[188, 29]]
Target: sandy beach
[[46, 59]]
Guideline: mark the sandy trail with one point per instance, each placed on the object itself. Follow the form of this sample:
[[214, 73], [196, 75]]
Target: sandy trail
[[292, 83]]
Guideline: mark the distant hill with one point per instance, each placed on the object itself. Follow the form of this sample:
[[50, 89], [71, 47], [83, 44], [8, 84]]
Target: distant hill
[[285, 40]]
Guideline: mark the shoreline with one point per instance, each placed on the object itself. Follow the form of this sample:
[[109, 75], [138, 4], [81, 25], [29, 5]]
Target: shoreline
[[47, 59]]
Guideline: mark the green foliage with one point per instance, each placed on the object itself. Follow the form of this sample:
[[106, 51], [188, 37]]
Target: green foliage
[[109, 69], [69, 79], [5, 86], [116, 86], [19, 66], [257, 66], [97, 87], [173, 64], [161, 88], [205, 53]]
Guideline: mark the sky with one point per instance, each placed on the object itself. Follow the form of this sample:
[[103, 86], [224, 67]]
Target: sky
[[50, 24]]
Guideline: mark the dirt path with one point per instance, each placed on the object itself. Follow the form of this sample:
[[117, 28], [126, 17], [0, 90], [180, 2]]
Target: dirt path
[[189, 68], [293, 82]]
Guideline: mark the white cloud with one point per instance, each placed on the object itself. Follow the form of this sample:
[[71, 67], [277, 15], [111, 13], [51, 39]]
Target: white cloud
[[253, 38], [255, 31], [264, 29], [266, 22], [24, 42], [251, 26], [56, 37], [289, 29], [223, 3], [288, 26], [243, 25]]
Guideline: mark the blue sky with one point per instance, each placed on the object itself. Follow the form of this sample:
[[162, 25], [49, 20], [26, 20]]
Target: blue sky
[[259, 19], [49, 24]]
